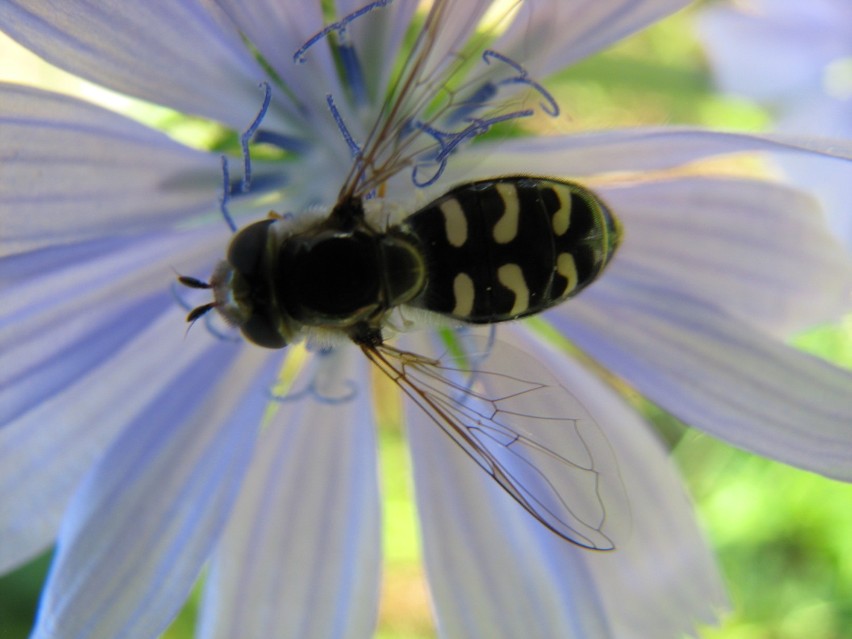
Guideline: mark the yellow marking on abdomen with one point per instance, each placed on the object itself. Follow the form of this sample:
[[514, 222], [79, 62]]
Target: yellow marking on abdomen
[[512, 277], [562, 218], [567, 268], [463, 293], [506, 228], [455, 222]]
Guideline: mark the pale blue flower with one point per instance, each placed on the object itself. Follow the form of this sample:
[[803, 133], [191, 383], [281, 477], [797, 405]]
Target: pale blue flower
[[794, 58], [139, 450]]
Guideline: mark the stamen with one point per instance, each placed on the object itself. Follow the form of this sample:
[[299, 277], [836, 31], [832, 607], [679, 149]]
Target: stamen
[[551, 107], [303, 376], [226, 195], [339, 26], [249, 132], [312, 390], [476, 101], [448, 141], [231, 336], [341, 125]]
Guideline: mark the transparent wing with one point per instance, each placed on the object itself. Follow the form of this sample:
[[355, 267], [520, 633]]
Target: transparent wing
[[450, 89], [531, 435]]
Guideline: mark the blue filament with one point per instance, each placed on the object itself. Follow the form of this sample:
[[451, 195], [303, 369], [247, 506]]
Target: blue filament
[[245, 184], [216, 332], [312, 390], [339, 26], [226, 196], [448, 141], [341, 125], [550, 106], [476, 101]]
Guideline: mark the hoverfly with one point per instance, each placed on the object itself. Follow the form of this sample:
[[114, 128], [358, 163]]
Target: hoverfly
[[486, 251]]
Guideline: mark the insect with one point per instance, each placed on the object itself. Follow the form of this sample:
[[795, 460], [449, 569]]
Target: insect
[[485, 252]]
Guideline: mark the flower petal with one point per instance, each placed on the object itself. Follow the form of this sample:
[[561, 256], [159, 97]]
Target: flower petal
[[72, 170], [145, 519], [831, 185], [717, 373], [496, 572], [638, 149], [759, 250], [775, 50], [73, 317], [183, 54], [549, 35], [377, 40], [300, 557], [277, 30], [45, 453], [58, 324]]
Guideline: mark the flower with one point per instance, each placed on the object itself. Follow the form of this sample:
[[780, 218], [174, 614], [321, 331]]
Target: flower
[[796, 60], [147, 455]]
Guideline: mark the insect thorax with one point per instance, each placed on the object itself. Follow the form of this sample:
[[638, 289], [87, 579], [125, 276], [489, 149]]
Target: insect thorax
[[331, 275]]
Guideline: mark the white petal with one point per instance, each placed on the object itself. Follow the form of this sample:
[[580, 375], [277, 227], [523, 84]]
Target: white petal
[[831, 185], [777, 50], [185, 54], [45, 453], [146, 518], [278, 30], [663, 579], [496, 572], [58, 322], [549, 35], [639, 149], [300, 557], [72, 170], [377, 38], [718, 374], [79, 320], [759, 250]]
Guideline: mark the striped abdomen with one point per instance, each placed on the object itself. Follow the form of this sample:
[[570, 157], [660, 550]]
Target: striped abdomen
[[507, 247]]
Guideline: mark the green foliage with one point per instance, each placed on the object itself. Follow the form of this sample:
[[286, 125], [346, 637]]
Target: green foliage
[[784, 540]]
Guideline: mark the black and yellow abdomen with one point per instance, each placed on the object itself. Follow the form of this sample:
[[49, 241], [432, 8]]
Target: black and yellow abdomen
[[508, 247]]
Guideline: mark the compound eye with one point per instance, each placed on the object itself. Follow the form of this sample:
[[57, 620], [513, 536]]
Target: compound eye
[[261, 331], [246, 251]]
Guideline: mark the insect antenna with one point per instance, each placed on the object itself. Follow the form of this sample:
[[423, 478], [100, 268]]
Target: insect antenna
[[199, 312], [193, 282]]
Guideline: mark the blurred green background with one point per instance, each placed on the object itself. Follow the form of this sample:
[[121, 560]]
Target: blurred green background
[[783, 536]]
